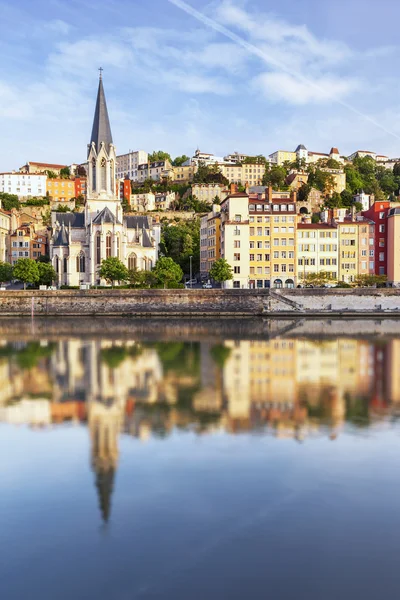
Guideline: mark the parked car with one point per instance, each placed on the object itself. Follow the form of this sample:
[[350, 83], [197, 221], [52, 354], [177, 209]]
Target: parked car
[[207, 286], [191, 282]]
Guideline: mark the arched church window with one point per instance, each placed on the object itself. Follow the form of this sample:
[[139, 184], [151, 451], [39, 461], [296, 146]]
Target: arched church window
[[65, 265], [118, 256], [57, 265], [98, 249], [93, 173], [108, 245], [132, 262], [80, 263], [103, 174]]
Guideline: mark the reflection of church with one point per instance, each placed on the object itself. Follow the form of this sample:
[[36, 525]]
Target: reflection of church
[[81, 241]]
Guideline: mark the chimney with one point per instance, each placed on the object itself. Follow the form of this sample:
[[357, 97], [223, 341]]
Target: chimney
[[269, 192], [233, 188], [247, 187]]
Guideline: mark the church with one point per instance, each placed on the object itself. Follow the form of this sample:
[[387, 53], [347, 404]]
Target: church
[[80, 241]]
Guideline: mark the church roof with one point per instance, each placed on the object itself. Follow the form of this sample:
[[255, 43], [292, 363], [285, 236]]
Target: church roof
[[133, 221], [105, 216], [146, 240], [73, 218], [61, 237], [101, 130], [300, 147]]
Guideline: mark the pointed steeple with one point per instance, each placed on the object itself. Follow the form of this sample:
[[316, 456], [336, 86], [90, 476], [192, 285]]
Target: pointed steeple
[[101, 130]]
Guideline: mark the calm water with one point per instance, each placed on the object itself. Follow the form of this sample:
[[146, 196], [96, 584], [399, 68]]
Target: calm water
[[191, 466]]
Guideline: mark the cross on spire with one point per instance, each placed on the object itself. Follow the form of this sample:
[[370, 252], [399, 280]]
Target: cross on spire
[[101, 72]]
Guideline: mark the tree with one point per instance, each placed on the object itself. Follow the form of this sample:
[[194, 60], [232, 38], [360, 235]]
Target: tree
[[63, 208], [112, 270], [396, 169], [51, 174], [346, 199], [209, 174], [255, 160], [142, 279], [175, 243], [275, 176], [317, 279], [370, 280], [179, 160], [6, 272], [65, 173], [46, 273], [26, 270], [159, 155], [9, 201], [221, 271], [304, 192], [167, 271], [80, 171]]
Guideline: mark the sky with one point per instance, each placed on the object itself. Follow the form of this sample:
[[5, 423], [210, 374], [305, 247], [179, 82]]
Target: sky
[[252, 76]]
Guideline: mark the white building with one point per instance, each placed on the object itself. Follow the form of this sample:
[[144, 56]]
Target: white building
[[127, 164], [81, 241], [364, 199], [23, 185], [143, 202], [204, 157]]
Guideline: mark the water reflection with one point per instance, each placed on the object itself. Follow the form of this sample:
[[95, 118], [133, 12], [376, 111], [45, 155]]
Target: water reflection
[[285, 387]]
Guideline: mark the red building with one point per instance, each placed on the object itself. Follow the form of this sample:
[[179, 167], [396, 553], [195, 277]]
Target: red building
[[80, 186], [378, 213], [125, 189]]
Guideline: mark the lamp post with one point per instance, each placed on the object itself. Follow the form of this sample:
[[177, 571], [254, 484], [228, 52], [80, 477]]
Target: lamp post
[[190, 271]]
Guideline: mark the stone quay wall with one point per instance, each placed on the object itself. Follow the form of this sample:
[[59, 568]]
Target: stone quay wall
[[297, 303]]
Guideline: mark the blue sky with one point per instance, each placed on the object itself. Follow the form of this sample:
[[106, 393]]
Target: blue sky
[[247, 75]]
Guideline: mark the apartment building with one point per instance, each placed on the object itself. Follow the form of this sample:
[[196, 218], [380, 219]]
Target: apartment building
[[378, 213], [235, 238], [24, 242], [208, 192], [80, 184], [23, 185], [317, 250], [301, 153], [164, 200], [210, 239], [357, 249], [5, 229], [184, 173], [283, 242], [143, 202], [127, 164], [393, 263], [32, 168], [60, 190], [251, 174], [156, 171]]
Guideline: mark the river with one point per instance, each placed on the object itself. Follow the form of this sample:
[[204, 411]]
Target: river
[[199, 460]]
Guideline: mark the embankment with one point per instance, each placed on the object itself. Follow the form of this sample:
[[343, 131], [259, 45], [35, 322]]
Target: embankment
[[298, 303]]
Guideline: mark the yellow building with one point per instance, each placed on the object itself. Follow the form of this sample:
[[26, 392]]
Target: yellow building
[[260, 243], [210, 239], [208, 192], [5, 229], [183, 174], [356, 249], [251, 174], [393, 246], [317, 250], [235, 238], [281, 156], [60, 190], [283, 243]]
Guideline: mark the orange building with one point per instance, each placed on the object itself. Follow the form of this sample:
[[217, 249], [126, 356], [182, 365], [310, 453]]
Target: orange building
[[26, 243], [60, 190]]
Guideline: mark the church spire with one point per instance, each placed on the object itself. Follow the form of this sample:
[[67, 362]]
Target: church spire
[[101, 130]]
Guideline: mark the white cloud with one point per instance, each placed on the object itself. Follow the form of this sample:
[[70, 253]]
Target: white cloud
[[57, 26], [282, 86]]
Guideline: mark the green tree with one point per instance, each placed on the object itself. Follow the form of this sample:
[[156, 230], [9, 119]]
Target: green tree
[[26, 270], [175, 243], [346, 199], [159, 155], [9, 201], [6, 272], [179, 160], [209, 174], [221, 271], [255, 160], [304, 192], [62, 208], [46, 273], [112, 270], [51, 174], [324, 182], [220, 354], [331, 163], [65, 173], [275, 176], [370, 280], [167, 271], [142, 279], [317, 279]]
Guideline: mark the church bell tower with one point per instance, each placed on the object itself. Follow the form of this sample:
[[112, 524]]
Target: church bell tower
[[101, 152]]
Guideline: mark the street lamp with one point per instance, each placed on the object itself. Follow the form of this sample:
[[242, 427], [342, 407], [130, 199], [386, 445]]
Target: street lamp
[[190, 271]]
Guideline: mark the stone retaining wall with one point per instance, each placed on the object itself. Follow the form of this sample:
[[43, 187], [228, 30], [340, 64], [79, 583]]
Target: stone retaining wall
[[203, 303]]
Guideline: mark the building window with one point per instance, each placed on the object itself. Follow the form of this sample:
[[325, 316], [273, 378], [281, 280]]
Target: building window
[[108, 245], [236, 270], [98, 249], [117, 246], [65, 265], [381, 256], [132, 262], [103, 174], [236, 284], [94, 173], [80, 263]]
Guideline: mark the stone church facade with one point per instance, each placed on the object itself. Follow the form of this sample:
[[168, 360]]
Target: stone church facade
[[80, 241]]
